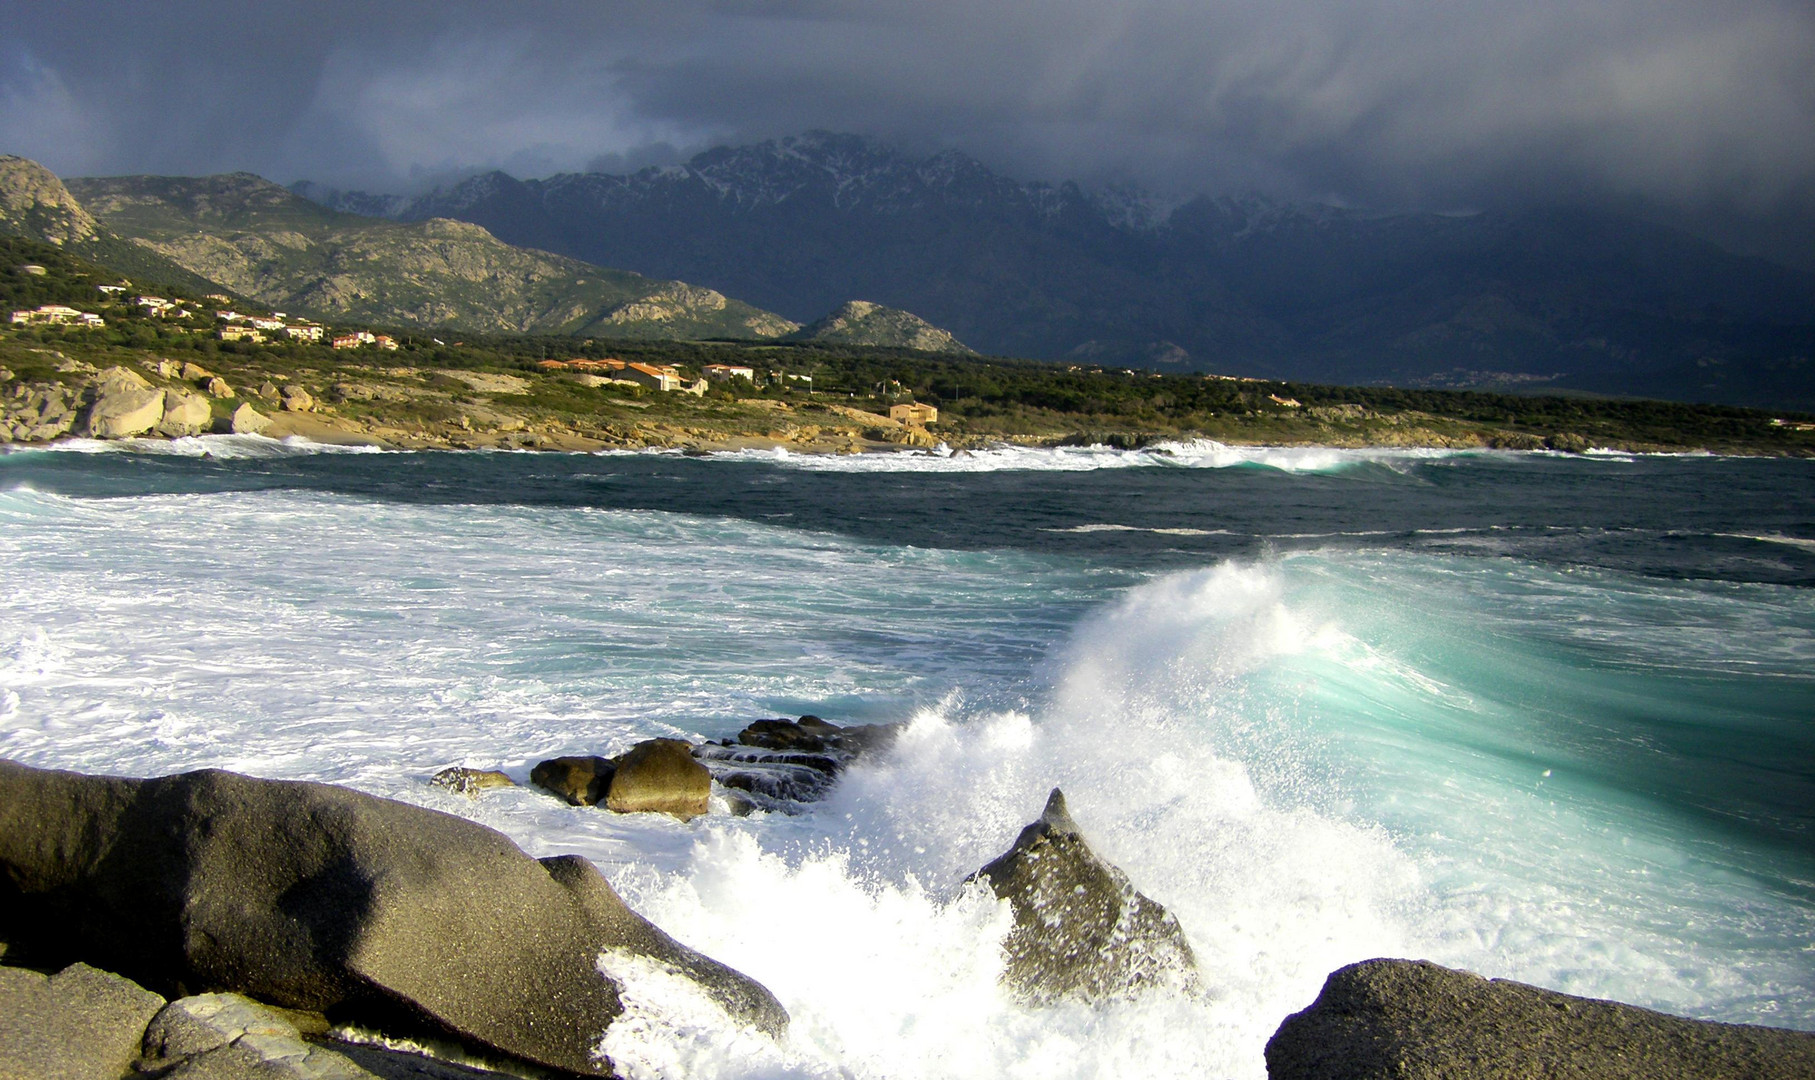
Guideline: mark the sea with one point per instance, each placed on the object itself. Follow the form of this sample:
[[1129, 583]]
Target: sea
[[1544, 717]]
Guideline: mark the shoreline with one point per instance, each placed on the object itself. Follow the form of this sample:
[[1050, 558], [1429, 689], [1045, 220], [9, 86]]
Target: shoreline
[[425, 408]]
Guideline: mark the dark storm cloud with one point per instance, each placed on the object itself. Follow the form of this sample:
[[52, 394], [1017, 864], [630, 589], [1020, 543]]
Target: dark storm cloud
[[1682, 107]]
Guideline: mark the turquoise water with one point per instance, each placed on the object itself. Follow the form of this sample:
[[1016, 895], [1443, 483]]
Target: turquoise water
[[1547, 718]]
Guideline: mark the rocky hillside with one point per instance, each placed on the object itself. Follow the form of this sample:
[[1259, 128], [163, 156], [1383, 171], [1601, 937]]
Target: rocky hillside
[[1238, 285], [260, 240], [247, 236], [859, 322], [36, 205]]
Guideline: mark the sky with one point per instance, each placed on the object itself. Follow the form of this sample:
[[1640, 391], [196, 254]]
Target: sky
[[1692, 112]]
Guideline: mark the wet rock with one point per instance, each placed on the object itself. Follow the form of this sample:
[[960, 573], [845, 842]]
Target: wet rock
[[185, 414], [79, 1023], [1414, 1020], [1568, 442], [124, 405], [783, 764], [323, 899], [660, 776], [1081, 930], [470, 782], [582, 781], [247, 421]]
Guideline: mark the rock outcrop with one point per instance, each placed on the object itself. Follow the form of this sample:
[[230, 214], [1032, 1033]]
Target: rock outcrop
[[1081, 930], [247, 421], [660, 776], [654, 776], [80, 1022], [779, 765], [318, 898], [1414, 1020], [37, 412], [185, 414], [124, 405], [580, 780], [229, 1037], [860, 322]]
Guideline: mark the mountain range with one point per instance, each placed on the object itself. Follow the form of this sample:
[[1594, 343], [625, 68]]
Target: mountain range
[[1539, 298], [244, 235]]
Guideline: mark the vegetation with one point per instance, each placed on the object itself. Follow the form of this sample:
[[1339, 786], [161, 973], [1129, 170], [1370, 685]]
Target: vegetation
[[490, 389]]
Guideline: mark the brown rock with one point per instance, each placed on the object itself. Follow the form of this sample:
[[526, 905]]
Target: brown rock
[[1414, 1020], [582, 781], [218, 387], [195, 373], [660, 776]]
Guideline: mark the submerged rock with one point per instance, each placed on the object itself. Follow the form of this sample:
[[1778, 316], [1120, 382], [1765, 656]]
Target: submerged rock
[[319, 898], [781, 764], [80, 1022], [1081, 930], [1414, 1020], [470, 782], [660, 776]]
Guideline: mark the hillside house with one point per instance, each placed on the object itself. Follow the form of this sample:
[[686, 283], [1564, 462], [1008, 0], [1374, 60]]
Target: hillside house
[[231, 332], [303, 332], [57, 315], [389, 344], [275, 325], [354, 340], [915, 413], [662, 378], [727, 372]]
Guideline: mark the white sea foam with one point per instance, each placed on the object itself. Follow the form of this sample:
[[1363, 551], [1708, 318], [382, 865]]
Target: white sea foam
[[218, 446], [1193, 454]]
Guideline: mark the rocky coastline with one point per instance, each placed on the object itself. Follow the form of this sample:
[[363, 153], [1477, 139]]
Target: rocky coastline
[[56, 396], [212, 925]]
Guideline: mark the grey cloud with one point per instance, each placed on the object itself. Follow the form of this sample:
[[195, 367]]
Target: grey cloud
[[1695, 111]]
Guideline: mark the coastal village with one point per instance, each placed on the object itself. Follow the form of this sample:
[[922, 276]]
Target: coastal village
[[171, 398]]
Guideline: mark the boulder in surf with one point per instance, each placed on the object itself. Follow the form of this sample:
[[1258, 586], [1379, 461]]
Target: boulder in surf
[[1081, 930], [1415, 1020], [660, 776], [314, 897]]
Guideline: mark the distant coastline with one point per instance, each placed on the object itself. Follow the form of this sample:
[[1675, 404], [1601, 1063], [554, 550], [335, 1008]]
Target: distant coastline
[[60, 390]]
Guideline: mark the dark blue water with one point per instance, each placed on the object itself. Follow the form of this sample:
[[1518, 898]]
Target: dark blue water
[[1735, 519]]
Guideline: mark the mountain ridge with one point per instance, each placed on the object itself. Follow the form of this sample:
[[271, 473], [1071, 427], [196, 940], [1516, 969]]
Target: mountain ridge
[[242, 234], [1244, 285]]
